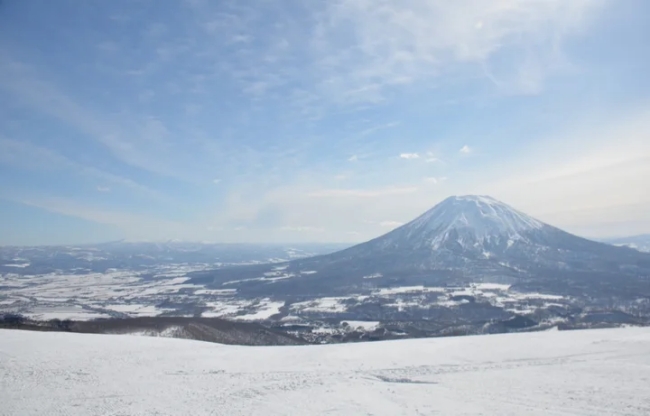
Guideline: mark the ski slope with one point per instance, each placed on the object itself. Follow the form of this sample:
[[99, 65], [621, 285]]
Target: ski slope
[[595, 372]]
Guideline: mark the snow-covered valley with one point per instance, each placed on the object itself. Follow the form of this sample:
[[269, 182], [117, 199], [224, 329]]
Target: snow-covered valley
[[594, 372]]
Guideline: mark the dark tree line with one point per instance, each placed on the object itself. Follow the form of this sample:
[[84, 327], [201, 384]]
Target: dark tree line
[[16, 320]]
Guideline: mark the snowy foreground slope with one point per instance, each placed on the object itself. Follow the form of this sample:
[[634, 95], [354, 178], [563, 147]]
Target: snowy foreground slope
[[595, 372]]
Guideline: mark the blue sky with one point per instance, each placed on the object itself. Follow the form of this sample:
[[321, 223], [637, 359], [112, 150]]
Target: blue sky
[[331, 120]]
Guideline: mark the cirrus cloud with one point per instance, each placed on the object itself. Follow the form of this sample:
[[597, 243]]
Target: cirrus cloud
[[362, 193]]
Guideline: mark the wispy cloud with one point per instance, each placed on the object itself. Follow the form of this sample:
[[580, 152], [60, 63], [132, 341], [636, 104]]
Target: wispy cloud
[[136, 226], [395, 42], [362, 193], [361, 50], [25, 155], [374, 129], [432, 158], [260, 105], [143, 146], [390, 224], [435, 180], [303, 229]]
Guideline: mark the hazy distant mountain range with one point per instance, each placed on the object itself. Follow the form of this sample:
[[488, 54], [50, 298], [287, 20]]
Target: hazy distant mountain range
[[141, 255], [637, 242]]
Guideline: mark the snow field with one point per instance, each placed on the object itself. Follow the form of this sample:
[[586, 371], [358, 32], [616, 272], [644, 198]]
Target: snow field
[[596, 372]]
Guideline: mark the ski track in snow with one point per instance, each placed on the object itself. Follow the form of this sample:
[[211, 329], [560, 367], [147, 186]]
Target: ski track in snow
[[596, 372]]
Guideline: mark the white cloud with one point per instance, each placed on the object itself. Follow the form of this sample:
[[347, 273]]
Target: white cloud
[[374, 129], [434, 180], [24, 155], [390, 224], [140, 141], [133, 226], [363, 50], [362, 193], [303, 229], [395, 42], [103, 189], [432, 158], [216, 181], [560, 179], [359, 50]]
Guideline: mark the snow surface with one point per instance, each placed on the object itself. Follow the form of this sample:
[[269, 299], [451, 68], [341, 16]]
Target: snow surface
[[490, 286], [171, 332], [17, 265], [133, 309], [373, 276], [265, 309], [407, 289], [596, 372], [74, 313], [365, 325], [327, 304]]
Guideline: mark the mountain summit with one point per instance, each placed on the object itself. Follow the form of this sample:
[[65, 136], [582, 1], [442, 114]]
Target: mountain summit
[[469, 221], [484, 215]]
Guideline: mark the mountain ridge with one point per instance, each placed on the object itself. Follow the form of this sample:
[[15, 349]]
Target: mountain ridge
[[639, 242]]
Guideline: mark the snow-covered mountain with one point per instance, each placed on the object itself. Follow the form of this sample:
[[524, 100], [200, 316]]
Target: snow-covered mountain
[[467, 226], [464, 238], [472, 220], [476, 232]]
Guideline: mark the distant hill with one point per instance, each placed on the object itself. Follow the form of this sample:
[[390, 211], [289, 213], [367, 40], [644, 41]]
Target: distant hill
[[199, 329], [637, 242]]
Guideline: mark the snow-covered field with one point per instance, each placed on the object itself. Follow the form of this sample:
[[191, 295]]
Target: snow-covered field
[[167, 289], [124, 293], [596, 372]]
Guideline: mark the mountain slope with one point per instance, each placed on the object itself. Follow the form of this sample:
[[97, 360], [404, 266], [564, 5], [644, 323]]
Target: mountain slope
[[545, 373]]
